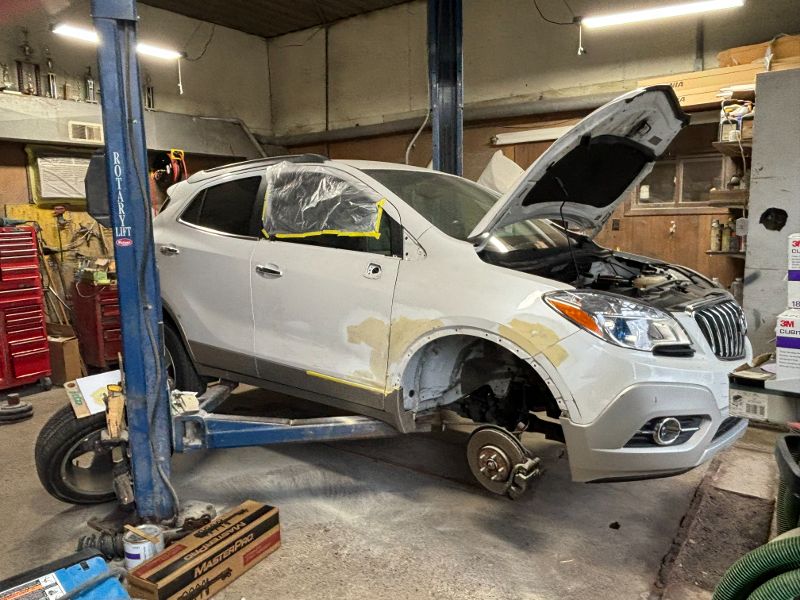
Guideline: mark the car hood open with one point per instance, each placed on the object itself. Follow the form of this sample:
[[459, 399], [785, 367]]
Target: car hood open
[[589, 170]]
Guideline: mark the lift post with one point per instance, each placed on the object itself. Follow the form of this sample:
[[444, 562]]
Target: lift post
[[445, 75], [147, 396]]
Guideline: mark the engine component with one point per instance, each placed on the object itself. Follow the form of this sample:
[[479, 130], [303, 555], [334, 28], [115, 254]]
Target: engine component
[[500, 462]]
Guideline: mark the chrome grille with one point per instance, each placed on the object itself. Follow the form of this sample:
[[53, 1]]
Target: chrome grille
[[724, 327]]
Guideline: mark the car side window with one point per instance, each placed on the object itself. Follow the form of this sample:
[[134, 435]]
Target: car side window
[[226, 207], [318, 207]]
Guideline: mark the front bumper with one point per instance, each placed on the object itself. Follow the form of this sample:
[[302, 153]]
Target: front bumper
[[597, 450]]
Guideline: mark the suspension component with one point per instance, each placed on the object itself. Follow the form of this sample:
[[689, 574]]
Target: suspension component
[[500, 462]]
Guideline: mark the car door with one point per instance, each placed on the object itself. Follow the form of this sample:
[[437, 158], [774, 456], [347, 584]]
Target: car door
[[204, 266], [322, 302]]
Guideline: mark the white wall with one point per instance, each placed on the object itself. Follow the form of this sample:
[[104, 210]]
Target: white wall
[[231, 80], [377, 62]]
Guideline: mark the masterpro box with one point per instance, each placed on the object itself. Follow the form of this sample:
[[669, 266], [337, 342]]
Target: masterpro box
[[204, 562]]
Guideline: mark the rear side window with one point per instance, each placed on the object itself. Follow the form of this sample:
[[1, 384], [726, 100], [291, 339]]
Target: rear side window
[[227, 207]]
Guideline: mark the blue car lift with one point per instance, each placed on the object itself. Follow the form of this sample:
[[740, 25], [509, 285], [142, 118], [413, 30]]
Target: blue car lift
[[155, 429], [445, 78]]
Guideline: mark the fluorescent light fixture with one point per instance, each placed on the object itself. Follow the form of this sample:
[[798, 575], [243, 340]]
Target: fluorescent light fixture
[[90, 35], [662, 12], [149, 50], [79, 33]]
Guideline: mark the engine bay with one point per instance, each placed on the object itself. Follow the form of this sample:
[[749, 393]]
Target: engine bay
[[588, 266]]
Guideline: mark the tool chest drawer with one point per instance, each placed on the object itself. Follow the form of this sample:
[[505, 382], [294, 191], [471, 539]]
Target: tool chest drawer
[[97, 322], [24, 352]]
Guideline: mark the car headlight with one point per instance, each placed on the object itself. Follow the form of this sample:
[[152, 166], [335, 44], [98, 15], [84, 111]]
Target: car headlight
[[618, 320]]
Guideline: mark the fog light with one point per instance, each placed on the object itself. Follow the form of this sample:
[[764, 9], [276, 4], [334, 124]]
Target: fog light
[[667, 431]]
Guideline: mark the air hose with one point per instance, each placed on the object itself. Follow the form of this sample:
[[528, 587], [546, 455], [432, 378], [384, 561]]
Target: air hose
[[770, 572]]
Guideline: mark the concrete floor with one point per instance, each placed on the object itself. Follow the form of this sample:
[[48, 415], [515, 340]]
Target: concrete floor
[[397, 518]]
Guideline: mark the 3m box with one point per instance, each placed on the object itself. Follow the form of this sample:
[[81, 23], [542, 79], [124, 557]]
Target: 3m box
[[204, 562], [794, 271], [787, 345]]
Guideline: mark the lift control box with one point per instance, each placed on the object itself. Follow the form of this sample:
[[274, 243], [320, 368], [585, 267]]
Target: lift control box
[[56, 579]]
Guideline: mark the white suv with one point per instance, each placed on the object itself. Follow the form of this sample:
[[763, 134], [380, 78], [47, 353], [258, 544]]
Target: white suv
[[394, 292]]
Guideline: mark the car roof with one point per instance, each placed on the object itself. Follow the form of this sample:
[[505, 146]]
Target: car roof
[[249, 165]]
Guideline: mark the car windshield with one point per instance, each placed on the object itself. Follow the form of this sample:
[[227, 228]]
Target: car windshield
[[456, 205]]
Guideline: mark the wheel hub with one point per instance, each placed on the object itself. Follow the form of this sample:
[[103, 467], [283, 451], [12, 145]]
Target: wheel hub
[[493, 463]]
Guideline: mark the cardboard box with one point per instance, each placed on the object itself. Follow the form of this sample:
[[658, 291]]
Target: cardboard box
[[793, 274], [65, 353], [786, 46], [204, 562], [787, 345]]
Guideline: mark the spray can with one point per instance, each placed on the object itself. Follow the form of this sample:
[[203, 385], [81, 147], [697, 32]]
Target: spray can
[[138, 549], [725, 238], [737, 290], [716, 238]]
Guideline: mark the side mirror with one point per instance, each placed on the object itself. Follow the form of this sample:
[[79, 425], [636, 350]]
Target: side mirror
[[97, 189]]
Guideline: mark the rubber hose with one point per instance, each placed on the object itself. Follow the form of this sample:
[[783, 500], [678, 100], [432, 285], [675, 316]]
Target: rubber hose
[[782, 587], [758, 566], [788, 509]]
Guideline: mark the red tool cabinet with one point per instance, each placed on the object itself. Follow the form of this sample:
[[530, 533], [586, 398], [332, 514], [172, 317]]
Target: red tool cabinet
[[97, 322], [24, 353]]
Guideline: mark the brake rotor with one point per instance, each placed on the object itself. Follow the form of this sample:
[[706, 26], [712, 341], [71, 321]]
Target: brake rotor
[[492, 454]]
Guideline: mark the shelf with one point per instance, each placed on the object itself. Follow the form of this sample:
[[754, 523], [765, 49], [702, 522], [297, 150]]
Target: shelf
[[729, 199], [729, 254], [733, 150]]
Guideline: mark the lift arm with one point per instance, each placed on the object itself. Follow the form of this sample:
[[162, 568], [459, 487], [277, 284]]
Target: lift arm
[[147, 397]]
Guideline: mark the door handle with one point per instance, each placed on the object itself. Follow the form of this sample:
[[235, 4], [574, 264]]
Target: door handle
[[374, 271], [169, 250], [269, 269]]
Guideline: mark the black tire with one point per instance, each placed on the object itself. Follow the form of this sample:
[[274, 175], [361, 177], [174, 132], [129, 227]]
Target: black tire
[[185, 376], [56, 442]]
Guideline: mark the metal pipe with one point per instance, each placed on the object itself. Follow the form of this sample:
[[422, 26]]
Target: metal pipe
[[244, 127], [483, 111]]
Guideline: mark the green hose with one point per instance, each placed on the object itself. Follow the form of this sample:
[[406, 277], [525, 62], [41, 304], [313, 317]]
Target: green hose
[[757, 567], [782, 587]]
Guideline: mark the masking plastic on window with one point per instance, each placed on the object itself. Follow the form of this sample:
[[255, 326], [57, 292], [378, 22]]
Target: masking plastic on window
[[305, 201]]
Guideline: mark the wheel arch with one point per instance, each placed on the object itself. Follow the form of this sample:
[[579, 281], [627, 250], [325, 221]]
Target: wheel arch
[[169, 320], [447, 345]]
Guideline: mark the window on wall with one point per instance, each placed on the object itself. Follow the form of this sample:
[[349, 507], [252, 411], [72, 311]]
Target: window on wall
[[681, 182]]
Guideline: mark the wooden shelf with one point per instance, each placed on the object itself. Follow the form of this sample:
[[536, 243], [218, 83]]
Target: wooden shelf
[[729, 254], [728, 198], [733, 150]]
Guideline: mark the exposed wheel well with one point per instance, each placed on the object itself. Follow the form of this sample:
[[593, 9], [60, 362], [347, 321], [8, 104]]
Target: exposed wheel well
[[477, 378]]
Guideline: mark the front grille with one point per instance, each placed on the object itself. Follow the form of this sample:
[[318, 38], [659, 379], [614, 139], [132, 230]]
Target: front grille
[[724, 327]]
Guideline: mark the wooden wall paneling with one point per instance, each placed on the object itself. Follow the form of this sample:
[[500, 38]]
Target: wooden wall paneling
[[13, 174]]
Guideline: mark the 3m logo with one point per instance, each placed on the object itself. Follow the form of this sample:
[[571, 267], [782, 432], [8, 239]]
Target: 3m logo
[[787, 323], [795, 243]]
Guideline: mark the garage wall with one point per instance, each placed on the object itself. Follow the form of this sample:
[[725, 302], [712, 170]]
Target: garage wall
[[377, 62], [230, 80]]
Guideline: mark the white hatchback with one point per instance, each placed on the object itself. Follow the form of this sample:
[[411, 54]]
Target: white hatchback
[[396, 292]]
